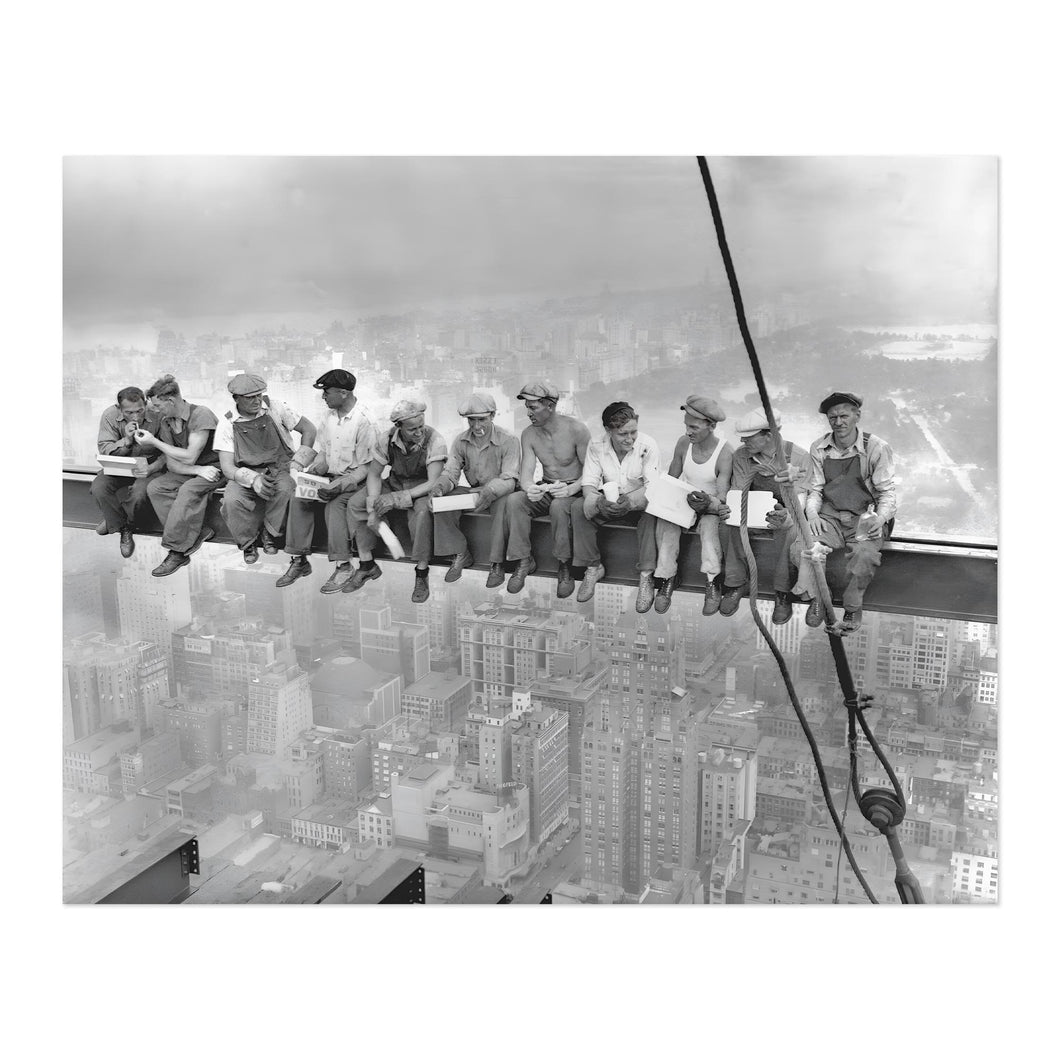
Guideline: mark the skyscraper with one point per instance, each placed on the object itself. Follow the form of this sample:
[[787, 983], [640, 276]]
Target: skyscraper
[[279, 706], [539, 761]]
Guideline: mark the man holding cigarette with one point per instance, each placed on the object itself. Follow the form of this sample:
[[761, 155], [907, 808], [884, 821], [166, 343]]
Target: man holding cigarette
[[488, 457]]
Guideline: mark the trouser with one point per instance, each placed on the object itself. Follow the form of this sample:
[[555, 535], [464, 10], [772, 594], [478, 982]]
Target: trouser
[[864, 558], [521, 510], [119, 508], [586, 539], [449, 539], [301, 519], [419, 520], [180, 503], [736, 572], [246, 513], [668, 539]]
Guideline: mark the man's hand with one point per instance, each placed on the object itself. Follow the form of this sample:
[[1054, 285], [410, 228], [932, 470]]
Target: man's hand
[[209, 472], [327, 492], [439, 489], [383, 503], [563, 489], [817, 552], [402, 499], [789, 474], [138, 471], [623, 506], [374, 520], [816, 524], [144, 437], [779, 518], [704, 503], [263, 487], [535, 492], [873, 528], [130, 432], [485, 499]]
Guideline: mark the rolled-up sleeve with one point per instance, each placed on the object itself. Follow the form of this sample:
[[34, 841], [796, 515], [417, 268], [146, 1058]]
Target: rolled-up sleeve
[[454, 465], [111, 432], [881, 471], [592, 470], [815, 487]]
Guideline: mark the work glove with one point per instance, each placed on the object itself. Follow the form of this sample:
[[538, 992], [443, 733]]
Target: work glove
[[303, 458], [383, 503], [701, 502], [439, 489], [485, 498], [779, 518], [402, 499]]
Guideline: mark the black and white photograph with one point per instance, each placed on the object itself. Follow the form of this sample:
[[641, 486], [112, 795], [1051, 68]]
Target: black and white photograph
[[587, 530]]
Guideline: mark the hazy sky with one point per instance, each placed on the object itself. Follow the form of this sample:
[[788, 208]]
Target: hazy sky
[[192, 242]]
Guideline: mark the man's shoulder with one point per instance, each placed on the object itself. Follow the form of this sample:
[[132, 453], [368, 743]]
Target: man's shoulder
[[109, 416], [499, 433]]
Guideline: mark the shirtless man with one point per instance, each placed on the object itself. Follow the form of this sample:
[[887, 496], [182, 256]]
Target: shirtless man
[[705, 461], [560, 444]]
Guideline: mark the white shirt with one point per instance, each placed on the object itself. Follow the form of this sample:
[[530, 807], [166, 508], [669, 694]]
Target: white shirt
[[343, 444], [632, 472], [282, 415]]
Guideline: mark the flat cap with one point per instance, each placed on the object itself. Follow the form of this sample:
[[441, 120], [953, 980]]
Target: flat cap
[[704, 407], [404, 410], [477, 405], [338, 378], [538, 390], [245, 384], [839, 397], [754, 422]]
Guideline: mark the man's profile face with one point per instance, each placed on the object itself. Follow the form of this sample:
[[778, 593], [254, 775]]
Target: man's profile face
[[697, 428], [412, 430], [134, 411], [538, 410], [334, 396], [479, 423], [166, 406], [250, 404], [759, 442]]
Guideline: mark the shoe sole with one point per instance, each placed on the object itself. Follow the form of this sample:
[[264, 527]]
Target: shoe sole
[[206, 535], [522, 583], [303, 572], [780, 621], [166, 574], [454, 576], [377, 573], [493, 583], [330, 587], [665, 607], [584, 595]]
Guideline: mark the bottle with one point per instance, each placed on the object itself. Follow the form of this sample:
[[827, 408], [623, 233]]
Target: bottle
[[867, 516]]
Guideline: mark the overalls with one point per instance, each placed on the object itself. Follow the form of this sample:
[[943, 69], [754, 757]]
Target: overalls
[[846, 497], [407, 469], [258, 444]]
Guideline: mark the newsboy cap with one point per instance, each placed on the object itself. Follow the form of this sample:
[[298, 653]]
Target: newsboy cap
[[704, 407], [477, 405], [338, 378], [404, 410], [839, 398], [245, 384], [754, 422], [538, 390]]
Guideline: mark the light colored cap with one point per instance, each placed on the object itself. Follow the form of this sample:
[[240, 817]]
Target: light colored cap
[[754, 422], [704, 407], [404, 410], [538, 390], [245, 384], [478, 405]]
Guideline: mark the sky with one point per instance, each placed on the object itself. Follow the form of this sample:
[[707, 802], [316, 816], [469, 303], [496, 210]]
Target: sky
[[204, 242]]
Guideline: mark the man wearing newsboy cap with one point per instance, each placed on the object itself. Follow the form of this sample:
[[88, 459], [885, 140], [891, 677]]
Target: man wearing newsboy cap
[[256, 452], [342, 453], [852, 475], [754, 466], [488, 457], [415, 454], [559, 443]]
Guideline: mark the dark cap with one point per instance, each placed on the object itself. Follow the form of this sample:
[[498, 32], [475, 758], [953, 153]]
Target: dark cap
[[839, 398], [338, 378], [538, 391], [704, 407], [616, 407]]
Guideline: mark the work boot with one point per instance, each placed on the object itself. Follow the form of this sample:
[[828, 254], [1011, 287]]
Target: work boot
[[300, 567], [588, 586], [815, 613], [496, 576], [366, 572], [714, 599], [525, 568], [101, 528], [665, 595], [645, 592], [269, 544], [127, 545], [781, 609], [250, 553], [564, 580], [456, 568], [852, 619], [171, 564], [421, 590], [204, 536], [339, 576]]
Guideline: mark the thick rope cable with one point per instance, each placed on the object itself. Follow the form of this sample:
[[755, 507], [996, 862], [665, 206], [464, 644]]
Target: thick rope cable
[[822, 776]]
